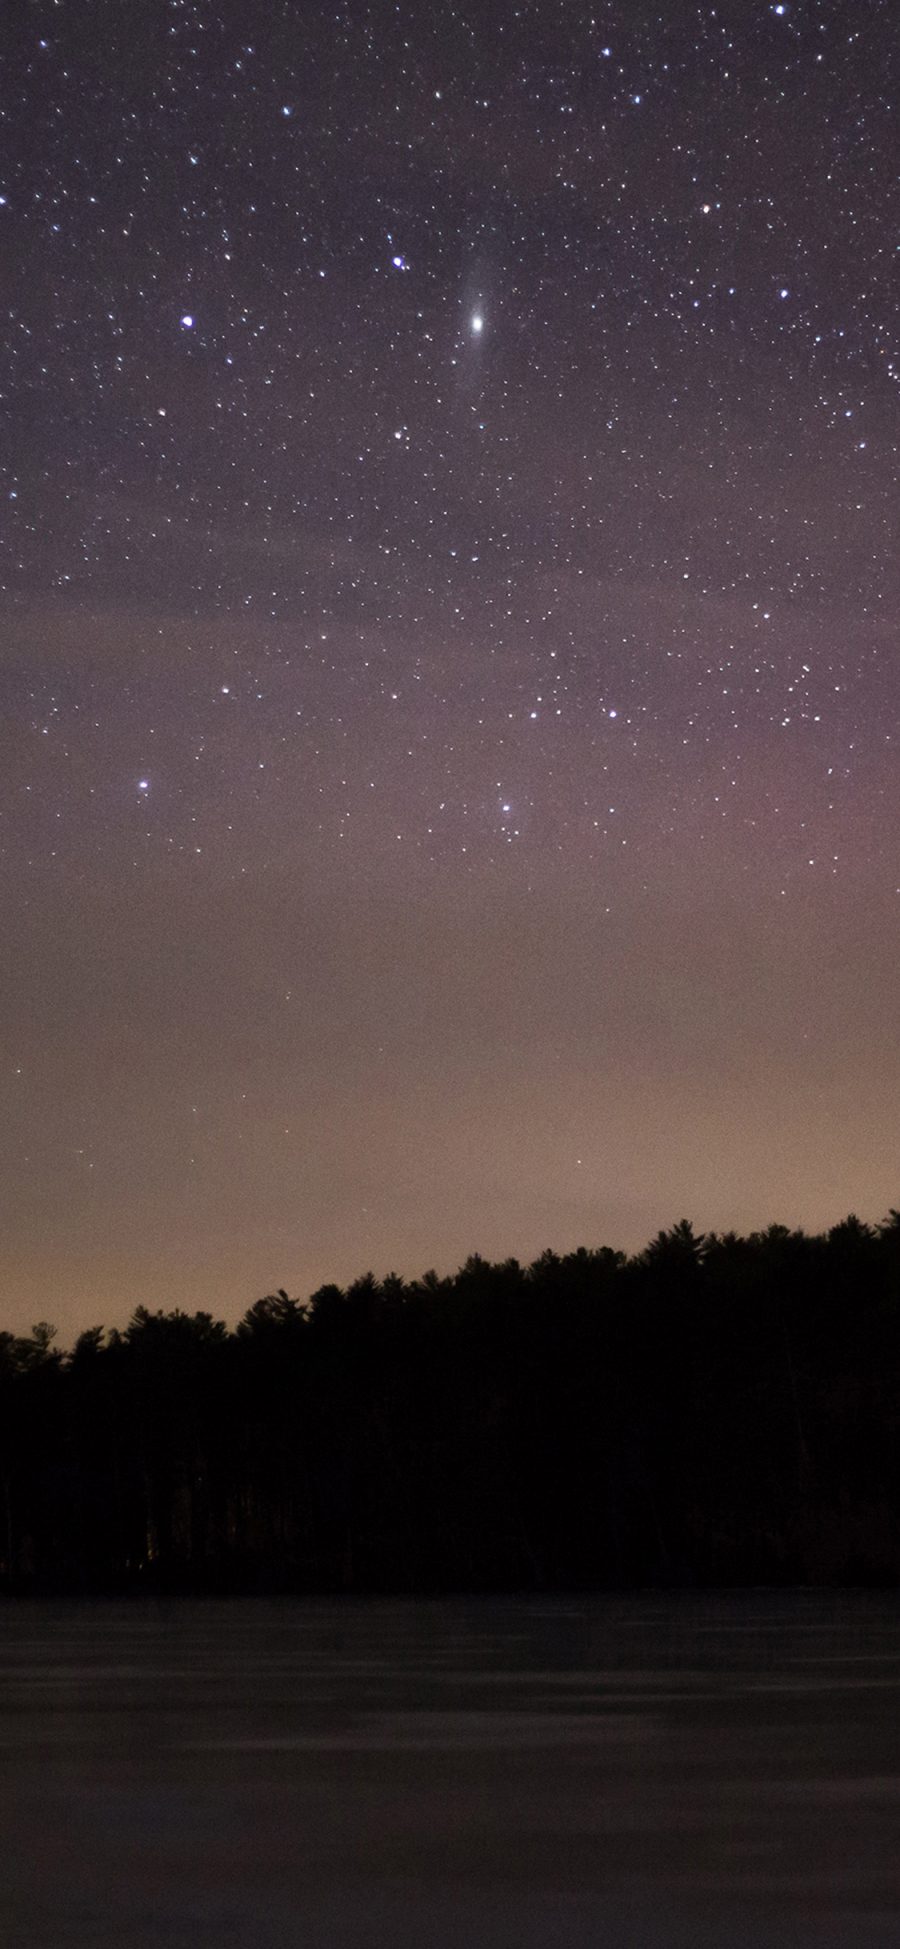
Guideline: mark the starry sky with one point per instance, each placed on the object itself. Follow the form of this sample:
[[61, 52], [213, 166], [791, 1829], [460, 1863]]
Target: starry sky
[[449, 685]]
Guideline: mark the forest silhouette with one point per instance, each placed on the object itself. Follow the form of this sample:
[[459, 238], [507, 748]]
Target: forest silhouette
[[715, 1410]]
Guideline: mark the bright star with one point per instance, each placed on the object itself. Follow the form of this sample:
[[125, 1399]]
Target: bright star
[[187, 320]]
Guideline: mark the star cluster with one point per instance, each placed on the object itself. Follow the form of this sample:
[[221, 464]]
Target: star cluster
[[448, 761]]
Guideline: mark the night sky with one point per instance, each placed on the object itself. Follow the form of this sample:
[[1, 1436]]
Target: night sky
[[448, 669]]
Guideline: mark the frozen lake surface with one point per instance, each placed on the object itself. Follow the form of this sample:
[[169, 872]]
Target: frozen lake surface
[[624, 1773]]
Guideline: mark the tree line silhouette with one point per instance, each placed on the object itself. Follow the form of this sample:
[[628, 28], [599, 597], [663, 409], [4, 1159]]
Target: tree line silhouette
[[714, 1410]]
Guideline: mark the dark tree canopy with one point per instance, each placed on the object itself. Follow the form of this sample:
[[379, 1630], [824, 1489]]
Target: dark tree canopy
[[715, 1410]]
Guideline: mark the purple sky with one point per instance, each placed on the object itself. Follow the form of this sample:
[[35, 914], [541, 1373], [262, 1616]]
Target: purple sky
[[449, 687]]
